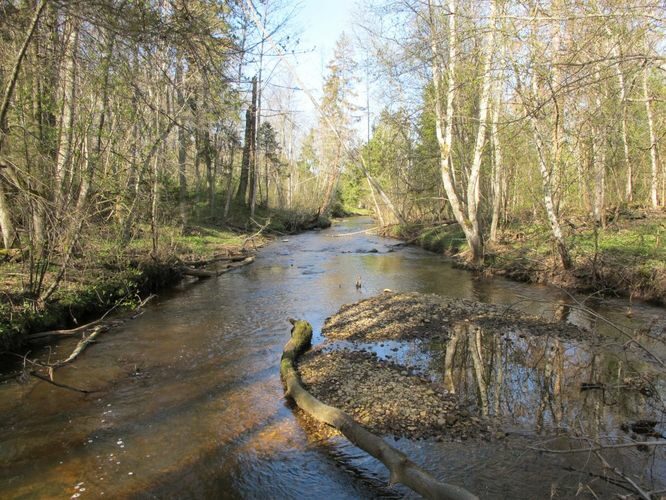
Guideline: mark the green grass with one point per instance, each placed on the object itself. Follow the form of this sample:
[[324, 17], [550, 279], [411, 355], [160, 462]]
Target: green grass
[[643, 241]]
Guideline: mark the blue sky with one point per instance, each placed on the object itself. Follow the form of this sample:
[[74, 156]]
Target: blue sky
[[321, 22], [318, 23]]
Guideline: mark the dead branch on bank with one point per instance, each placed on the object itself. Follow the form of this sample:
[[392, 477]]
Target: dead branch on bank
[[402, 470], [90, 331], [257, 234], [83, 328]]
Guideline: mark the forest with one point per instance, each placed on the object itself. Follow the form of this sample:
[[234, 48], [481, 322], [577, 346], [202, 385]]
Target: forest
[[152, 146]]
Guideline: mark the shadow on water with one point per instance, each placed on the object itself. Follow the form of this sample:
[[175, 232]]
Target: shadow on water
[[190, 404]]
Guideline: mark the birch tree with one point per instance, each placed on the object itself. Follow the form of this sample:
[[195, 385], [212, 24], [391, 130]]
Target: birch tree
[[464, 200]]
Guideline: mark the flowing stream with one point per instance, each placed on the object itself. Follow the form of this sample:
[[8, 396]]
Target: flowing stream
[[189, 403]]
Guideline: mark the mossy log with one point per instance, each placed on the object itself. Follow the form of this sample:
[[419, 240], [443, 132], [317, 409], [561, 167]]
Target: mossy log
[[401, 469]]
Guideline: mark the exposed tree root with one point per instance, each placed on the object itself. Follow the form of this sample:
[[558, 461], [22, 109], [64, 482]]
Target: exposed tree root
[[402, 470]]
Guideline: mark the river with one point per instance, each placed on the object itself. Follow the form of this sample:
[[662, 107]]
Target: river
[[189, 403]]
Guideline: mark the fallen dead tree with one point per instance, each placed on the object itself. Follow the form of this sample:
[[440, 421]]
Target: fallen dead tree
[[204, 273], [401, 469], [214, 259]]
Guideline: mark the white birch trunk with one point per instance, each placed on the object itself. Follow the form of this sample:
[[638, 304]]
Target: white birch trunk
[[67, 117], [473, 189], [445, 132], [654, 156], [615, 52]]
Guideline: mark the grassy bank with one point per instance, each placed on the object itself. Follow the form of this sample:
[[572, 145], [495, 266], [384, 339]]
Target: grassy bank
[[106, 273], [627, 258]]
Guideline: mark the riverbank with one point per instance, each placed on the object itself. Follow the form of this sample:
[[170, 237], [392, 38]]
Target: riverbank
[[627, 258], [107, 274]]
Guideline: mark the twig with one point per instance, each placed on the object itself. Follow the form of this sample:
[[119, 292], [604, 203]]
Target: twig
[[610, 323], [619, 473], [145, 301], [582, 307]]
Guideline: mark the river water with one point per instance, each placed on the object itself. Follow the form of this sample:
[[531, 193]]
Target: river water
[[189, 403]]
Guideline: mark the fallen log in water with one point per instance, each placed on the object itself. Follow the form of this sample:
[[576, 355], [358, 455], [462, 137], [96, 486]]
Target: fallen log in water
[[214, 259], [204, 273], [402, 470]]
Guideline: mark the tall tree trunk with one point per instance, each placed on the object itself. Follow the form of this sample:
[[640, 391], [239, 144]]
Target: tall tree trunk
[[230, 179], [331, 182], [374, 201], [497, 174], [6, 224], [496, 182], [257, 90], [248, 146], [182, 147], [469, 222], [616, 53], [553, 219], [212, 181], [556, 169], [65, 149], [599, 159], [654, 154], [13, 76], [629, 190], [473, 186]]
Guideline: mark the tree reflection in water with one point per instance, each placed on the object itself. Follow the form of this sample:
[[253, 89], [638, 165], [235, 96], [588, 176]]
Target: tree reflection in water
[[534, 382]]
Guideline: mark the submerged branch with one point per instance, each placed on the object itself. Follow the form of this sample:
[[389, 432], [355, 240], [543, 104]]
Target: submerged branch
[[593, 449]]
